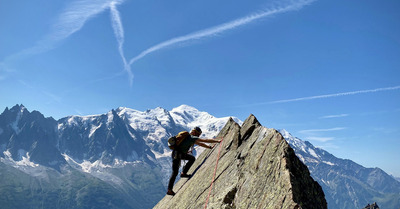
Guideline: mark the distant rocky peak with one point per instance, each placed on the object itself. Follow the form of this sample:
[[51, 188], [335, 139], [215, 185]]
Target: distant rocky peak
[[18, 108], [15, 117], [15, 112]]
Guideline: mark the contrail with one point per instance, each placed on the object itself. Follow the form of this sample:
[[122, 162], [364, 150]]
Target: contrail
[[70, 21], [333, 95], [73, 18], [118, 28], [76, 14], [220, 28], [119, 35]]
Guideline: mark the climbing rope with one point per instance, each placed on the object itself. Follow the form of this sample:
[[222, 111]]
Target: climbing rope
[[215, 171]]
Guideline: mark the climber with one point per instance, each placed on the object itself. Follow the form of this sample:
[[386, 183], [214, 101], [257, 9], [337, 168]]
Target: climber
[[181, 153]]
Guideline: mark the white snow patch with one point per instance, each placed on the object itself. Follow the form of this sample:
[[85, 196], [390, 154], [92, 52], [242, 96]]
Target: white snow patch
[[161, 155], [324, 181], [312, 152], [26, 166], [301, 158], [93, 129], [110, 117], [71, 121], [329, 163], [100, 170], [14, 125], [7, 154], [293, 141], [25, 159], [76, 120], [311, 160], [89, 167], [151, 158]]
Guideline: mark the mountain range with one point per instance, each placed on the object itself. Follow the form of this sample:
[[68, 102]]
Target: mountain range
[[120, 159], [346, 184]]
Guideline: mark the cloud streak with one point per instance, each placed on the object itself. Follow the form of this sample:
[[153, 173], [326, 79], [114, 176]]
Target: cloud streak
[[74, 17], [77, 13], [335, 116], [313, 134], [70, 21], [119, 35], [213, 31], [334, 95], [325, 96], [322, 130], [320, 139]]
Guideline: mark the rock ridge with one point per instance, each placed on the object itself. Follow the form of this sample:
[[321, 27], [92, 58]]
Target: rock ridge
[[257, 169]]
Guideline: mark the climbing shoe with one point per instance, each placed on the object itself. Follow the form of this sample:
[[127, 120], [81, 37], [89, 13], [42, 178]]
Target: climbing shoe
[[184, 175], [170, 192]]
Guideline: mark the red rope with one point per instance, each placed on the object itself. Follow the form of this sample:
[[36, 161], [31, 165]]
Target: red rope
[[215, 171]]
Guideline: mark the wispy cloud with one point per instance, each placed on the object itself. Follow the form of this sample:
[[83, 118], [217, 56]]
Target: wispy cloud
[[320, 139], [334, 116], [315, 134], [219, 29], [322, 97], [76, 14], [322, 130], [386, 130], [334, 95], [328, 146], [70, 21]]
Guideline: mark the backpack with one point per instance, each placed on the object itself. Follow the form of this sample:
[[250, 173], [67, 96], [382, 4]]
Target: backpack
[[173, 142]]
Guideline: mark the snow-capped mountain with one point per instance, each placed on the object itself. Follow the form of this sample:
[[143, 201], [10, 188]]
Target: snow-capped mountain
[[159, 124], [124, 148], [120, 159], [346, 184], [155, 126]]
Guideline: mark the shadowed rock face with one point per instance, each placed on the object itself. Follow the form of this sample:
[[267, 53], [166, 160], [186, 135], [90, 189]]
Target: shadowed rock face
[[256, 169]]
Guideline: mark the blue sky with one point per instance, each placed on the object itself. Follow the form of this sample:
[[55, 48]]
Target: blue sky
[[326, 71]]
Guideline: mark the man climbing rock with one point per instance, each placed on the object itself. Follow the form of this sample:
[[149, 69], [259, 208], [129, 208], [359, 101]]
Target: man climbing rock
[[180, 152]]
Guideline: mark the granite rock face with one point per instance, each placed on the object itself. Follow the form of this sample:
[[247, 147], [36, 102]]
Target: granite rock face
[[256, 169]]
